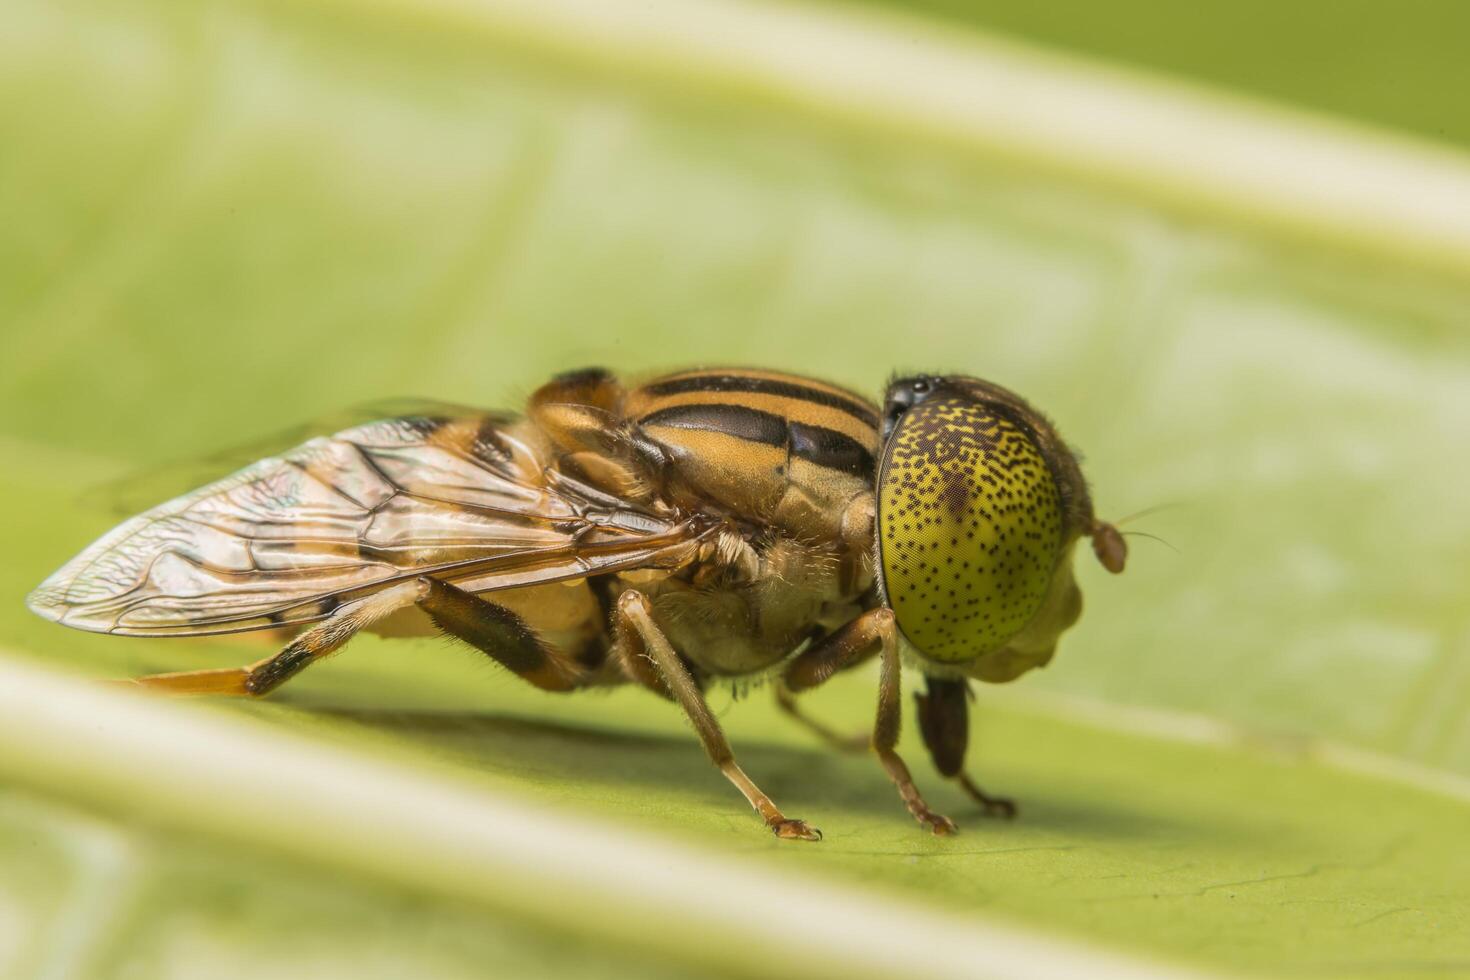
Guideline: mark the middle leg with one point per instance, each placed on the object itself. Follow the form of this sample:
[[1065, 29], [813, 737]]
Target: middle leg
[[642, 645]]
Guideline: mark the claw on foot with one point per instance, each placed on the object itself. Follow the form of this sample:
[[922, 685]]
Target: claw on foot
[[795, 830], [991, 806], [938, 823], [998, 806]]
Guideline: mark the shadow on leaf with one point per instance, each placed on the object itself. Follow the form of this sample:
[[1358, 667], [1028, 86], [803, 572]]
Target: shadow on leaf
[[802, 780]]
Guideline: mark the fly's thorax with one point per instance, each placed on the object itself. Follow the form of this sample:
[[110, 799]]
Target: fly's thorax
[[973, 524], [762, 446]]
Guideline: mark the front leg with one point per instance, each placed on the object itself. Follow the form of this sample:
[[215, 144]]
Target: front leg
[[642, 645], [944, 720], [885, 730], [873, 631]]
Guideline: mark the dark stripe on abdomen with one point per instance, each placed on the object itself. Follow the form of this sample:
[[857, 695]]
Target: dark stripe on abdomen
[[764, 386], [812, 443]]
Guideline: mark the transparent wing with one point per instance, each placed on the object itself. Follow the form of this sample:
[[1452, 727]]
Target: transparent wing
[[138, 491], [466, 497]]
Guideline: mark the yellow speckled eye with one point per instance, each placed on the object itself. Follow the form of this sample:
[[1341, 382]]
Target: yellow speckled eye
[[970, 524]]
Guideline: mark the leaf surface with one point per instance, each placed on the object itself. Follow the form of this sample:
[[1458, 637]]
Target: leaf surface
[[222, 220]]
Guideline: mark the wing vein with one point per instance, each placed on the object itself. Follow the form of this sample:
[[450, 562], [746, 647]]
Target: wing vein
[[284, 540]]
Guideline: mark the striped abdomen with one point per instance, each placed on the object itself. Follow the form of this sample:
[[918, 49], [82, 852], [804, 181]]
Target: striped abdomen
[[776, 448]]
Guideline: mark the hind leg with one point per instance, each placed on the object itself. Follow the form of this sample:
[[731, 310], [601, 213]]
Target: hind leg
[[500, 634], [266, 675], [490, 628]]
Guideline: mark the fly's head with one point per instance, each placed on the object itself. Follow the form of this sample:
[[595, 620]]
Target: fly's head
[[980, 506]]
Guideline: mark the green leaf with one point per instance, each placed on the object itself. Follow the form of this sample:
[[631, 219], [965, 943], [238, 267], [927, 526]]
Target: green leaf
[[1252, 754]]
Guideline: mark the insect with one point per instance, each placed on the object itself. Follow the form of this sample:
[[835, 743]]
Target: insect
[[698, 527]]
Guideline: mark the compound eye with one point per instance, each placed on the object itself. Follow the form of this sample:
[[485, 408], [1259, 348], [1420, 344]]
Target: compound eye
[[969, 526]]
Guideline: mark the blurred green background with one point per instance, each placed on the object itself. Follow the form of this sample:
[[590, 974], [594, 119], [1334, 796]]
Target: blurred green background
[[218, 220], [1401, 68]]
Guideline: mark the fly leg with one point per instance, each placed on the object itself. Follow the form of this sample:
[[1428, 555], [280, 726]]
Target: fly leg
[[266, 675], [851, 742], [492, 629], [631, 651], [855, 643], [500, 634], [944, 720], [885, 729], [640, 639], [873, 631]]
